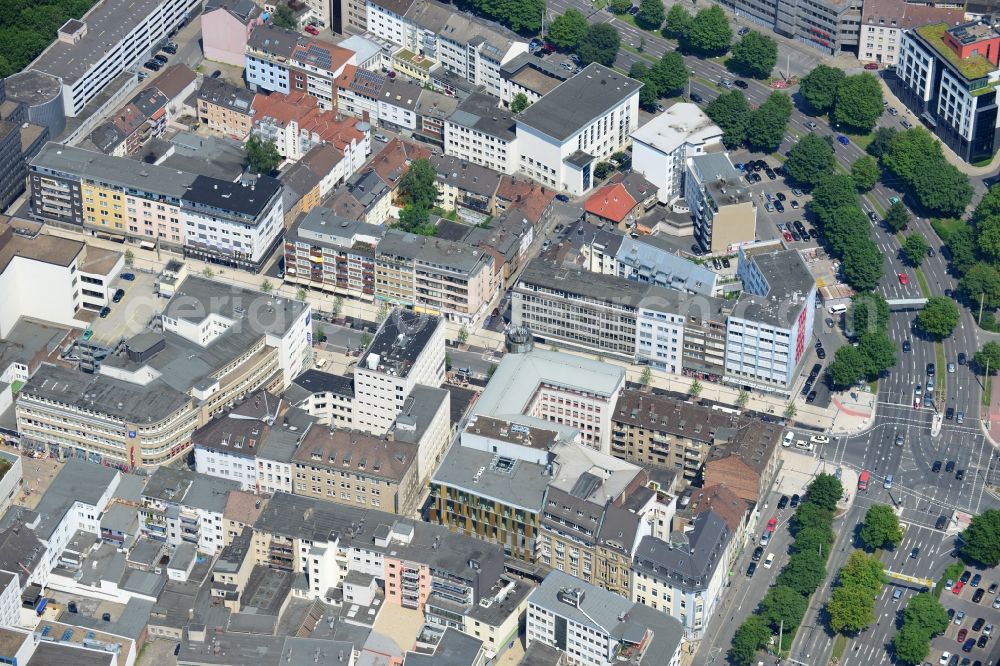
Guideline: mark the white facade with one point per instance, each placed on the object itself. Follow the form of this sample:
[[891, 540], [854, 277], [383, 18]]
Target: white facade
[[232, 237], [693, 607], [386, 24], [659, 339], [226, 465], [264, 73], [273, 476], [40, 290], [10, 601], [396, 114], [473, 145]]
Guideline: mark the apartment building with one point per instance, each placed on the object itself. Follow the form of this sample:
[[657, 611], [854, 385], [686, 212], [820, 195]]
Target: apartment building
[[723, 209], [466, 188], [358, 92], [145, 400], [685, 576], [234, 224], [327, 397], [434, 275], [433, 110], [144, 118], [580, 122], [948, 76], [529, 76], [225, 27], [425, 424], [831, 26], [746, 462], [661, 147], [595, 627], [297, 123], [770, 329], [407, 350], [84, 60], [225, 108], [482, 132], [884, 21], [397, 104], [327, 252], [652, 260], [180, 506], [314, 66], [269, 50]]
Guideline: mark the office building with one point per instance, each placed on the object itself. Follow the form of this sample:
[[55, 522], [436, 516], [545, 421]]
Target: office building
[[884, 21], [397, 104], [327, 397], [831, 26], [425, 424], [481, 132], [582, 121], [180, 506], [723, 208], [530, 76], [948, 77]]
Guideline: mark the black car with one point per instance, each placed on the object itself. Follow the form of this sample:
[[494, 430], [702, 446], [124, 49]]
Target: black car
[[105, 311], [743, 31], [978, 624], [160, 58], [783, 502], [960, 475], [795, 501], [725, 262], [907, 347], [811, 398], [696, 98], [795, 235], [813, 233], [821, 353], [978, 596], [170, 48], [949, 413], [119, 295], [966, 575], [151, 65], [950, 467], [816, 368], [781, 197], [983, 640], [961, 358], [940, 523], [780, 207], [562, 197], [930, 369], [936, 467], [216, 74], [751, 569], [757, 553], [740, 83], [770, 174], [914, 553]]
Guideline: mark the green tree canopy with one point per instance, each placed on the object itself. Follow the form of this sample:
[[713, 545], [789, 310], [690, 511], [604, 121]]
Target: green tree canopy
[[897, 216], [881, 528], [850, 609], [419, 184], [568, 29], [619, 6], [600, 44], [832, 193], [981, 539], [678, 21], [804, 572], [981, 282], [519, 103], [988, 236], [878, 351], [810, 160], [915, 249], [783, 604], [825, 491], [754, 55], [752, 636], [911, 151], [862, 264], [942, 188], [651, 14], [961, 244], [819, 87], [938, 318], [813, 539], [709, 33], [283, 17], [869, 312], [865, 173], [880, 142], [262, 156], [988, 357], [848, 366], [859, 102], [766, 128], [731, 112], [810, 514], [989, 205], [911, 645], [669, 75], [925, 611], [863, 571]]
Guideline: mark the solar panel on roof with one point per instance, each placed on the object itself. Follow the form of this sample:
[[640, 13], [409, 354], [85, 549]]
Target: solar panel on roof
[[66, 635]]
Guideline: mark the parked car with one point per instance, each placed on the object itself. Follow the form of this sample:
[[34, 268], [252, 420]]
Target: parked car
[[757, 554], [978, 624], [160, 58], [976, 580], [743, 31], [105, 311], [772, 524], [119, 295], [783, 502], [151, 65], [936, 467], [978, 596], [751, 569], [217, 73], [821, 353], [871, 65], [795, 501], [696, 98], [949, 466], [779, 206], [312, 30], [962, 633], [905, 123], [127, 276]]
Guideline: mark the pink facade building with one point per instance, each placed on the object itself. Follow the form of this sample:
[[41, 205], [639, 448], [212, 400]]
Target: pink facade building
[[225, 27]]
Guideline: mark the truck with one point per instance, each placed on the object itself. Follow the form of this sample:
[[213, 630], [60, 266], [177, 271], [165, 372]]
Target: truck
[[863, 480]]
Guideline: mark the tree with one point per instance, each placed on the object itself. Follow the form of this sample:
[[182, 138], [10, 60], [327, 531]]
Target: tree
[[678, 21], [382, 313], [915, 249], [638, 71], [830, 194], [669, 75], [601, 170], [620, 6], [754, 55], [850, 609], [988, 236], [869, 312], [731, 112], [752, 636], [709, 33], [208, 272], [649, 97], [911, 645], [419, 185], [815, 539], [938, 318], [881, 528], [415, 219], [863, 571], [600, 44], [283, 17], [942, 188], [129, 258], [463, 335], [897, 217], [366, 340], [300, 294], [804, 572], [267, 286], [825, 491], [862, 264], [819, 87], [766, 128], [651, 14], [859, 102], [925, 611], [646, 377], [742, 399], [338, 306], [523, 16], [880, 142], [519, 103], [568, 29], [911, 151], [262, 156], [981, 539], [319, 333], [989, 205], [810, 515], [865, 173], [695, 388], [791, 410], [878, 351], [810, 160], [988, 357], [782, 604], [961, 244]]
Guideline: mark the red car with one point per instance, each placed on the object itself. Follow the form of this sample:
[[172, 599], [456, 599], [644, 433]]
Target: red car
[[903, 279], [871, 65], [772, 524], [962, 633], [312, 30], [788, 236], [958, 588]]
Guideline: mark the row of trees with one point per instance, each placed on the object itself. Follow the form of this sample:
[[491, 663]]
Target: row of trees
[[852, 101], [667, 77], [839, 216], [784, 605], [851, 607], [418, 189], [598, 42], [762, 129], [923, 618], [868, 320], [914, 160], [523, 16]]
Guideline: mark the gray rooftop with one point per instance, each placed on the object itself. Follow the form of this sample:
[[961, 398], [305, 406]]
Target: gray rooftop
[[454, 255], [541, 654], [270, 39], [454, 649], [689, 560], [26, 339], [788, 282], [418, 410], [655, 262], [517, 483], [77, 481], [198, 298], [578, 101], [482, 112], [466, 176], [120, 170], [186, 488], [226, 95], [399, 341], [323, 226]]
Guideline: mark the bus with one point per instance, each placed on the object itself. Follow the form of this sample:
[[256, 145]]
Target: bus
[[863, 480]]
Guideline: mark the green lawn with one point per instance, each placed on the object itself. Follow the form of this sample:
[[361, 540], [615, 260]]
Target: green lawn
[[876, 205], [861, 140], [987, 392], [839, 645], [924, 288], [16, 386], [985, 162], [944, 227], [635, 51], [707, 83], [942, 368]]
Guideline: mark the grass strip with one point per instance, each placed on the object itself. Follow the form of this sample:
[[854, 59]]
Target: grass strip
[[924, 288]]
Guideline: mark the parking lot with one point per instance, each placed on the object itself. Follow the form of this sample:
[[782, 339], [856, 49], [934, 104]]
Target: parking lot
[[132, 314], [779, 206], [966, 627]]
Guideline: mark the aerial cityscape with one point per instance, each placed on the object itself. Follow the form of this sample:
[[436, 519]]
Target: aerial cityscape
[[529, 333]]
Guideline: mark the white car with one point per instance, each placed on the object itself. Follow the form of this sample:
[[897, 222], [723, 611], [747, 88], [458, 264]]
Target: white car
[[945, 656], [789, 438], [819, 439], [804, 445], [769, 561]]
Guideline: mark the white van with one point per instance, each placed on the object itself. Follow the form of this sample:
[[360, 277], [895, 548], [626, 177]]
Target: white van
[[837, 309], [789, 436], [769, 561]]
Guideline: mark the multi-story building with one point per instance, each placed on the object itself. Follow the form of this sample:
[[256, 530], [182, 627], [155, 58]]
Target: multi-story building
[[217, 343], [723, 209], [529, 76], [297, 123], [358, 92], [580, 122], [466, 188], [661, 147], [225, 27], [595, 627], [269, 50], [686, 576], [181, 506], [407, 350], [397, 104], [225, 108], [651, 259], [829, 25], [883, 23], [327, 252], [770, 328], [234, 224], [481, 132], [433, 110], [314, 67], [327, 397], [125, 132], [746, 462], [425, 424], [89, 53], [434, 275], [948, 76]]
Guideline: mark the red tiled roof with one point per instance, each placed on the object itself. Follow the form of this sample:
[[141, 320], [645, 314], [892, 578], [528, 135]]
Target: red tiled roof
[[308, 52], [391, 162], [612, 202], [304, 109], [525, 195], [907, 15]]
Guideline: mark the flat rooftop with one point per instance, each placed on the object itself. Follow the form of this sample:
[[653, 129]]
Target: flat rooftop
[[512, 482], [973, 67], [43, 247], [399, 342], [681, 123]]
